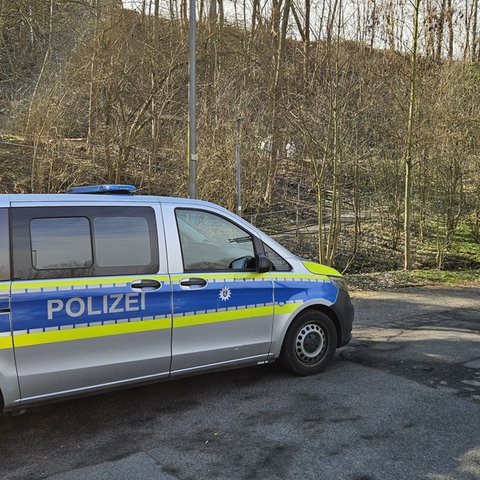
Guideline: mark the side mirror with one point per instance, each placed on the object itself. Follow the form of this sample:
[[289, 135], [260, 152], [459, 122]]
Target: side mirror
[[264, 264]]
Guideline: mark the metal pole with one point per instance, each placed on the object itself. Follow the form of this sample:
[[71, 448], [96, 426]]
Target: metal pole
[[192, 116], [239, 179]]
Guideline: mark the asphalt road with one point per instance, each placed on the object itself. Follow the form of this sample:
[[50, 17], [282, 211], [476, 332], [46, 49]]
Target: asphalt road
[[402, 401]]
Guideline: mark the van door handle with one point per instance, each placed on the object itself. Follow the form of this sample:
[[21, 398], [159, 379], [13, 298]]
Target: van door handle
[[193, 282], [153, 284]]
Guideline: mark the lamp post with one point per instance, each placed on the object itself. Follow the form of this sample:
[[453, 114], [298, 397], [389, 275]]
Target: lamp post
[[192, 115]]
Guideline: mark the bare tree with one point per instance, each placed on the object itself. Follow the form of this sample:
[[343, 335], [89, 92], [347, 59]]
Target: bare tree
[[409, 141]]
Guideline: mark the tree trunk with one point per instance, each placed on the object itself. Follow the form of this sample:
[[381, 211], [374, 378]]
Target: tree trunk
[[450, 29], [409, 141], [475, 50], [275, 99], [441, 21]]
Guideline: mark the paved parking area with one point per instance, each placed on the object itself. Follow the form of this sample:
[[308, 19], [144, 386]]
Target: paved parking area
[[395, 404], [432, 337]]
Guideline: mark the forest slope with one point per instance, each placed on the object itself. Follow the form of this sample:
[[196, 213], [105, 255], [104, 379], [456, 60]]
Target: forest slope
[[94, 93]]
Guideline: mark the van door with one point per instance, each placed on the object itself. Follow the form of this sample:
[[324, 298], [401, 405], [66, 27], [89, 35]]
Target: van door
[[90, 301], [223, 308]]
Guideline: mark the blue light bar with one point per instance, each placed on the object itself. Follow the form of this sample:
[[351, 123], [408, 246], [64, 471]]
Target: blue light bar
[[104, 189]]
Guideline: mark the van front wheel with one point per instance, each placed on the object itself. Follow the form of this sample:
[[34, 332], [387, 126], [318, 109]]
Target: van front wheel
[[309, 344]]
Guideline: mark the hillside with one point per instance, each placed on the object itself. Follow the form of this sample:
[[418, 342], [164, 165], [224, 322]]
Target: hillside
[[322, 126]]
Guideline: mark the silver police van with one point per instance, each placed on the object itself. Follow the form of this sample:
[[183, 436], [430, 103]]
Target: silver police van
[[102, 289]]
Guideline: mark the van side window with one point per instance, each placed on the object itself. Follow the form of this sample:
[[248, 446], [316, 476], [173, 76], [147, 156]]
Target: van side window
[[121, 241], [61, 242], [210, 242]]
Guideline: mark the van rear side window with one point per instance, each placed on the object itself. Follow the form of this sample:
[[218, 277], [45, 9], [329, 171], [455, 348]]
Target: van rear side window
[[121, 241], [61, 242]]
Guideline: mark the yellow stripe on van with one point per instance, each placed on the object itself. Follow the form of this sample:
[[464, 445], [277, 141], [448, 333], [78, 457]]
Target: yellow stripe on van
[[6, 342], [224, 316], [287, 308], [39, 338], [232, 315]]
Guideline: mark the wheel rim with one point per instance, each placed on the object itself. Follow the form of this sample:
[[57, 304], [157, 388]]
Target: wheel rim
[[310, 344]]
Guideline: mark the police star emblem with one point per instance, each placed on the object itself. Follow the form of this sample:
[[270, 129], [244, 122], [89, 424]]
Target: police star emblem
[[225, 294]]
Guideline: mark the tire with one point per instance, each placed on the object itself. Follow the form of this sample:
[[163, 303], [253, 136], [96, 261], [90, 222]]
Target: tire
[[309, 344]]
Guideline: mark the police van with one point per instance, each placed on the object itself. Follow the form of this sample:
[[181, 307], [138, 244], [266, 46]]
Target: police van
[[102, 289]]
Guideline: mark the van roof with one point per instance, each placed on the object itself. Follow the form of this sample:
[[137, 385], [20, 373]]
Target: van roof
[[99, 194]]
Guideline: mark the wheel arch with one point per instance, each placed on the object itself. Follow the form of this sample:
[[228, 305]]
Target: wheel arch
[[284, 326], [297, 352]]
